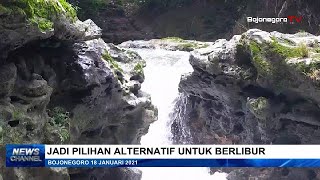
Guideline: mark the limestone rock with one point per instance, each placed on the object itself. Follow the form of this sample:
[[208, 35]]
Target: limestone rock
[[18, 27], [257, 88], [8, 75], [94, 85]]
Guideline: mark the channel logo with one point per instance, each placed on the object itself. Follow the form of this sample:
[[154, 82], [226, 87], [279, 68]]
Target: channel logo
[[30, 155]]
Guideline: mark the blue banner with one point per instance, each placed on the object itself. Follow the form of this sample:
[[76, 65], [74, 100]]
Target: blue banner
[[34, 155], [31, 155], [182, 163]]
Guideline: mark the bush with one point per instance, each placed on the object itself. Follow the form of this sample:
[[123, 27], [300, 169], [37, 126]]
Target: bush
[[138, 68], [60, 121], [302, 50]]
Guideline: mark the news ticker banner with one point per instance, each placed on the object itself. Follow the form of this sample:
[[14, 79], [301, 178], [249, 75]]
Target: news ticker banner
[[40, 155]]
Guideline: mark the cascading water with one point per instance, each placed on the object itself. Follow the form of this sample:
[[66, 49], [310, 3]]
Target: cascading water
[[163, 73]]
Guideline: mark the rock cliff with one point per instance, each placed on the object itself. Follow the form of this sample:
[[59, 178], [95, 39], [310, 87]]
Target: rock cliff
[[257, 88], [61, 83]]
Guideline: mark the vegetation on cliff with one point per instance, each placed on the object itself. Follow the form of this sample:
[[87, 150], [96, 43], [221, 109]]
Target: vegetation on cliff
[[186, 45], [138, 68], [40, 12], [60, 123], [259, 107], [276, 61], [107, 57]]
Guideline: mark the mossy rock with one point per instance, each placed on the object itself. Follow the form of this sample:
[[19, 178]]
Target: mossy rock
[[113, 63], [185, 45], [13, 136], [270, 60], [173, 39], [17, 115]]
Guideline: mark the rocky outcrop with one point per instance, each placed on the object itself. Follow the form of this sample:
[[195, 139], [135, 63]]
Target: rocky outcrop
[[257, 88], [169, 43], [64, 84], [23, 23]]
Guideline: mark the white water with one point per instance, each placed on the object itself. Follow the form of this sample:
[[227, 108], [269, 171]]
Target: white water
[[163, 73]]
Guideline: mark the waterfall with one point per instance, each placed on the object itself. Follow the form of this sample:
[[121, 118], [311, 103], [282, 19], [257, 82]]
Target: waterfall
[[163, 73], [179, 117]]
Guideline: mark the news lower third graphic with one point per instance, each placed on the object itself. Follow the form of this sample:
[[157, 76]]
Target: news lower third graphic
[[40, 155], [32, 155]]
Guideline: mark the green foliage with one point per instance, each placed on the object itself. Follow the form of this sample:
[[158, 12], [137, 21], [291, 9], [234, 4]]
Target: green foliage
[[4, 10], [302, 50], [190, 46], [41, 12], [282, 50], [174, 39], [17, 115], [69, 9], [269, 59], [255, 48], [60, 121], [263, 67], [289, 52], [270, 62], [42, 23], [185, 45], [289, 42], [107, 57], [308, 69], [259, 107], [59, 116], [138, 68], [16, 137]]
